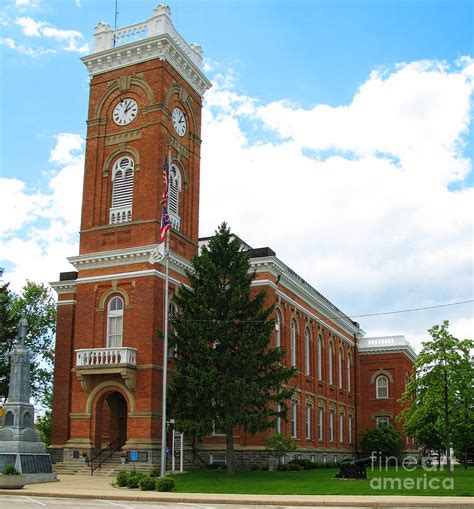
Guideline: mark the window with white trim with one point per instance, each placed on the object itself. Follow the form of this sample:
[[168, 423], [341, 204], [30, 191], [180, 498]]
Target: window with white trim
[[294, 415], [383, 420], [321, 423], [115, 322], [320, 359], [307, 352], [331, 426], [349, 429], [331, 360], [293, 343], [341, 428], [381, 387], [340, 364], [277, 329], [348, 372], [278, 419], [122, 190], [308, 422], [173, 196]]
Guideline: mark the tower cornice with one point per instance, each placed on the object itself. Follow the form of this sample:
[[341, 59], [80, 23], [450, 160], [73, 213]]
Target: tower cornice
[[155, 38]]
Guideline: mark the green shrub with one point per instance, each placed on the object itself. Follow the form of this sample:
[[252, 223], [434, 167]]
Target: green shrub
[[264, 468], [165, 484], [254, 467], [122, 479], [282, 467], [303, 463], [147, 483], [215, 466], [155, 472], [134, 479], [294, 467], [10, 470]]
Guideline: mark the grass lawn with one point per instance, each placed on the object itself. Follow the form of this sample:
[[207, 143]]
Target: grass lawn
[[322, 482]]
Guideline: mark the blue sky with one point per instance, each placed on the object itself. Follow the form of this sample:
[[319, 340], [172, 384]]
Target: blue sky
[[356, 117]]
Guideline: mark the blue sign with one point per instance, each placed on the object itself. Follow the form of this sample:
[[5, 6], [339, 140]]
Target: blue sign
[[133, 455]]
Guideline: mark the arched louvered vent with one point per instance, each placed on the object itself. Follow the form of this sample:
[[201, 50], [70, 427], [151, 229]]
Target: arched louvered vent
[[173, 196], [122, 190]]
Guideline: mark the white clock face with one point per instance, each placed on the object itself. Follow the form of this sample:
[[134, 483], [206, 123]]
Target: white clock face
[[179, 122], [125, 111]]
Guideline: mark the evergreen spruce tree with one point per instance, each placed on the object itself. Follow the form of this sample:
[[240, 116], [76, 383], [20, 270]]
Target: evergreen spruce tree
[[226, 373]]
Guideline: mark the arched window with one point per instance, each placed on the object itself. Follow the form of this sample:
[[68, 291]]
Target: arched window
[[278, 419], [381, 386], [340, 364], [9, 419], [308, 421], [331, 360], [293, 343], [331, 425], [122, 190], [307, 352], [348, 372], [321, 423], [320, 359], [294, 415], [115, 322], [278, 329], [173, 196], [27, 420]]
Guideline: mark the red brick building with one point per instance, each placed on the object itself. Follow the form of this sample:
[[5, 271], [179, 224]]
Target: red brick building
[[146, 94]]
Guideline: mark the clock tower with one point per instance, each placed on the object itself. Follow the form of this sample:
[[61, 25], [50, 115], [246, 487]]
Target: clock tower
[[145, 105]]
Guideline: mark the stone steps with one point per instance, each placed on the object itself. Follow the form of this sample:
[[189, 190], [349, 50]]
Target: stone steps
[[109, 468]]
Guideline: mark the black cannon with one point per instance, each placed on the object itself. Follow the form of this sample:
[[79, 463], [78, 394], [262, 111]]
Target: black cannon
[[354, 469]]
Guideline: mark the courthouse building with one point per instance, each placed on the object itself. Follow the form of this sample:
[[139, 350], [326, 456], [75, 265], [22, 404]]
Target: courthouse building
[[146, 93]]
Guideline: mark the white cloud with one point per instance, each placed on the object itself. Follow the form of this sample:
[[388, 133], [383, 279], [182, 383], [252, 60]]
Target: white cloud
[[23, 49], [354, 198], [25, 3], [40, 229], [71, 40]]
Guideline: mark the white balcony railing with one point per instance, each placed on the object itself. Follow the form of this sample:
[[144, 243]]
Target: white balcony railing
[[120, 215], [159, 23], [106, 356]]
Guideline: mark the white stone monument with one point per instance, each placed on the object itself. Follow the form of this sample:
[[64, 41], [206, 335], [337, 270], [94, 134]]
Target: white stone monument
[[20, 444]]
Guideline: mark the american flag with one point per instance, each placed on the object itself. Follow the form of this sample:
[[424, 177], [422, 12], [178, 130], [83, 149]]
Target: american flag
[[166, 178]]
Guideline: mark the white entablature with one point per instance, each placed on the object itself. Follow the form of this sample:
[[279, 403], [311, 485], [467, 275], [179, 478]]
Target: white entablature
[[154, 38]]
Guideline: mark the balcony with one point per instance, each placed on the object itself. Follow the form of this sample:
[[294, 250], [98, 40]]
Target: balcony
[[120, 215], [101, 362]]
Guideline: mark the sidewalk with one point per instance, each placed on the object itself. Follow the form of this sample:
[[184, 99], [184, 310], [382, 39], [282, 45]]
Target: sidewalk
[[85, 486]]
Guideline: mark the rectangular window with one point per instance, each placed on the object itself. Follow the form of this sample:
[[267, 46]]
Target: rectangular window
[[349, 429], [293, 419], [278, 420], [331, 426], [341, 428], [383, 420], [307, 353], [308, 422], [320, 424]]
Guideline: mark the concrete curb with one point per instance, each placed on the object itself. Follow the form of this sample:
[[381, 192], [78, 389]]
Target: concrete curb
[[294, 500]]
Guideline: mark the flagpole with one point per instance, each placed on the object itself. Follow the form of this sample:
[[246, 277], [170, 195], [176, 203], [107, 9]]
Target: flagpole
[[165, 352]]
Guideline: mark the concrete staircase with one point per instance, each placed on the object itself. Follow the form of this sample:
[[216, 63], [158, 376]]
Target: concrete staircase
[[110, 467]]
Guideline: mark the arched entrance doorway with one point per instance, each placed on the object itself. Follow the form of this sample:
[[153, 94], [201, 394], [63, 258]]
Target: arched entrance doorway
[[111, 419]]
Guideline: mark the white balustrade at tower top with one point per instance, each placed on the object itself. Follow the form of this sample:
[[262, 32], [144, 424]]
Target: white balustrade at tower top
[[385, 344], [154, 38]]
